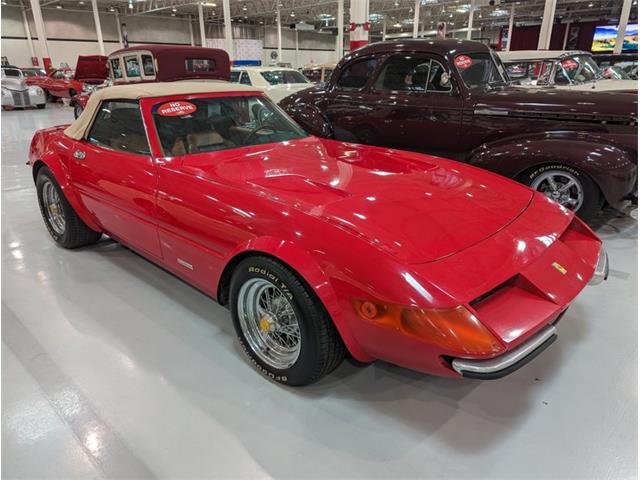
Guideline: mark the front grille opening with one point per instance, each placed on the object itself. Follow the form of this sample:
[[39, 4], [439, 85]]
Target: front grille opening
[[508, 283]]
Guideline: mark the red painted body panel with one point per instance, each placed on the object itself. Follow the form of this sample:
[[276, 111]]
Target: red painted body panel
[[354, 221]]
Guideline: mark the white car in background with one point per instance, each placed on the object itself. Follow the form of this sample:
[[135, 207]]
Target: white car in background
[[276, 82], [574, 70], [17, 94]]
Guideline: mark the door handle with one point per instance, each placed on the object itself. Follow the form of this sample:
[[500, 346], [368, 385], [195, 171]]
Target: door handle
[[79, 155]]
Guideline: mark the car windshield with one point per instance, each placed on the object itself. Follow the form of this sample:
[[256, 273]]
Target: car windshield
[[33, 73], [615, 72], [12, 72], [576, 69], [480, 69], [235, 76], [281, 77], [220, 123]]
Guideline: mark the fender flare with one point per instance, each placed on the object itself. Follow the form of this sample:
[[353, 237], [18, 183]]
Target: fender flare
[[311, 119], [61, 174], [514, 156], [303, 264]]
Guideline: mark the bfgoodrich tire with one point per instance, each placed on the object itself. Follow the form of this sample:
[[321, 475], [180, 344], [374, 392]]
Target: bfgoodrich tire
[[281, 325], [568, 186], [63, 223]]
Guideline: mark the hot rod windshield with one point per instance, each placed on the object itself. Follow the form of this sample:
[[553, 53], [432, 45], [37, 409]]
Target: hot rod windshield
[[576, 69], [210, 124], [480, 69]]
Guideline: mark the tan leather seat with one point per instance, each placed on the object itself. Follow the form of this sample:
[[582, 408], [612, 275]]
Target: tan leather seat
[[205, 141]]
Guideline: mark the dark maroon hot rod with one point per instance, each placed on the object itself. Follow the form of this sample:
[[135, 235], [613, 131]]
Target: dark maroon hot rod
[[454, 99]]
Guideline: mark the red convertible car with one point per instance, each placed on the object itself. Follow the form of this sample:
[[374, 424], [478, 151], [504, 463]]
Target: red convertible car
[[320, 248], [91, 71]]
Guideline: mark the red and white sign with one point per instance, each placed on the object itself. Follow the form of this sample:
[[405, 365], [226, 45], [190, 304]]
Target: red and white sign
[[569, 64], [463, 61], [176, 109]]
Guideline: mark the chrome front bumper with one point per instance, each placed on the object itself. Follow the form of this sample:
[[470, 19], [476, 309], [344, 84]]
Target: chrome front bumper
[[509, 362], [601, 272]]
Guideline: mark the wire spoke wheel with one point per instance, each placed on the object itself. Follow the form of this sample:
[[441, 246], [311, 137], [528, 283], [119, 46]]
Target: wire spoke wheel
[[269, 323], [53, 208], [562, 187]]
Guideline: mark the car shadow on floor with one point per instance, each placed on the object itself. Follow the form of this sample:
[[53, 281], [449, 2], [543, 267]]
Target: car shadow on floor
[[419, 405]]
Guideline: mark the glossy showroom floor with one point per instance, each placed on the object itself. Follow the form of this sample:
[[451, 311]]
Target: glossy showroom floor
[[113, 368]]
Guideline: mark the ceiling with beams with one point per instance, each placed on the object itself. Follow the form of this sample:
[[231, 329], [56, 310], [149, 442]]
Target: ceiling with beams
[[397, 15]]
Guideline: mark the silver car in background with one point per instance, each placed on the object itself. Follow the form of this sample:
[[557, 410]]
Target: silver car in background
[[17, 94]]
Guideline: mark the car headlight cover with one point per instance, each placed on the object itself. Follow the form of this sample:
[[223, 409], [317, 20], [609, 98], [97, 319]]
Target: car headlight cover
[[5, 92], [454, 329], [35, 90]]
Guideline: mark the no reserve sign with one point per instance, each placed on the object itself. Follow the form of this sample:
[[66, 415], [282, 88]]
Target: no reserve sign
[[463, 61], [176, 109]]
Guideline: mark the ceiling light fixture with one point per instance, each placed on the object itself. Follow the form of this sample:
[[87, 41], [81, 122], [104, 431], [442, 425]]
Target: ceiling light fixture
[[111, 9], [208, 4], [174, 9], [292, 14], [58, 6]]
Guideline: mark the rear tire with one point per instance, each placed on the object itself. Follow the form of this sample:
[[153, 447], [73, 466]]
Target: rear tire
[[582, 195], [280, 323], [63, 223]]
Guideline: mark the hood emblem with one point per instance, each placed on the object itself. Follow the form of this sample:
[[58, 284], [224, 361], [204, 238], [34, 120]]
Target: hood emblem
[[559, 267]]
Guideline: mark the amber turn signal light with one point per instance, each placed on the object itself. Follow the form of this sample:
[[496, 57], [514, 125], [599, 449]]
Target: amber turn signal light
[[454, 329]]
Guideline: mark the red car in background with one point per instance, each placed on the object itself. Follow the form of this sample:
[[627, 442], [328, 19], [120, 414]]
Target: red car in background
[[161, 63], [320, 248], [91, 71]]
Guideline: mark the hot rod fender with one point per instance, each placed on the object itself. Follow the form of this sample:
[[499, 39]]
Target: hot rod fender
[[304, 265], [311, 119], [513, 157], [60, 171]]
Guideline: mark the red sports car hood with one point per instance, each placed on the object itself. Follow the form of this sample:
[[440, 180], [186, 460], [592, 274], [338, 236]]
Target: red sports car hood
[[92, 68], [416, 207]]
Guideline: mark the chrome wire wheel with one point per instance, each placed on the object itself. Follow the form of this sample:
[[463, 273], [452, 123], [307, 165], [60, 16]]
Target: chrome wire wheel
[[269, 323], [53, 207], [560, 186]]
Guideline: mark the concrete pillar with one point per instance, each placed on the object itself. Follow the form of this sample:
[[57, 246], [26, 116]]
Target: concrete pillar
[[201, 22], [622, 26], [42, 35], [510, 33], [472, 7], [566, 35], [547, 24], [297, 57], [27, 32], [119, 29], [191, 37], [384, 28], [96, 20], [416, 18], [228, 32], [359, 24], [279, 25], [340, 24]]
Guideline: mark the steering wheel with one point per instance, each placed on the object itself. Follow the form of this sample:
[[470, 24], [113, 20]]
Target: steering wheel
[[253, 132]]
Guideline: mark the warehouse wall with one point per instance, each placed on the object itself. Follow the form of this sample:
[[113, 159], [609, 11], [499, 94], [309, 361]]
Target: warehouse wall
[[72, 33]]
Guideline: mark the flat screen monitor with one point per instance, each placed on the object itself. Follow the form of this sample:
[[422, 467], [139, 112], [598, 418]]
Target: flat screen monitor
[[604, 38]]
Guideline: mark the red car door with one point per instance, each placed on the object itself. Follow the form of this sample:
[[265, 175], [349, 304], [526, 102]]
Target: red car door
[[113, 171]]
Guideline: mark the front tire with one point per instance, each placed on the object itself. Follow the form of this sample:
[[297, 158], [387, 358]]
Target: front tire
[[280, 323], [568, 186], [41, 106], [77, 110], [63, 223]]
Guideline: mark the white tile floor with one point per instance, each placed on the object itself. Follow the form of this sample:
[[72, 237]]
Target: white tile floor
[[112, 367]]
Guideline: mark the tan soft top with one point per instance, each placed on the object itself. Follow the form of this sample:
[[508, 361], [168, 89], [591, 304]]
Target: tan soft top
[[147, 90]]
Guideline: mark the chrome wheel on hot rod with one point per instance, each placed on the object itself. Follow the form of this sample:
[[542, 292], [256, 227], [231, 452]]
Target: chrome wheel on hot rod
[[569, 187], [281, 324]]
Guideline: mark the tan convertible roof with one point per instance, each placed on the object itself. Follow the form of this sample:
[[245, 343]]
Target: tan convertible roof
[[147, 90]]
